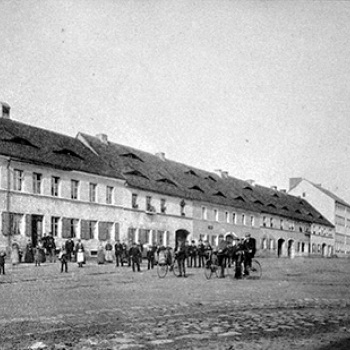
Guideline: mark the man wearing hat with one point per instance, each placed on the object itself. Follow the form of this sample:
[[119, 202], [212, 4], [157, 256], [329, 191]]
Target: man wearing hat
[[249, 245]]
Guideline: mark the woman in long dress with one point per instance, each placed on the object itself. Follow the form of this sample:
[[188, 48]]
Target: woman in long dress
[[29, 253], [100, 255]]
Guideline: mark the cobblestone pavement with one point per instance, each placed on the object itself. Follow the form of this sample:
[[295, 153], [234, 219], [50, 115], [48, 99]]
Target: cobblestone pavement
[[103, 308]]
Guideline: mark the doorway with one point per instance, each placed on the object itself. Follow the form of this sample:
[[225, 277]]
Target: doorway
[[280, 247], [181, 234], [291, 250], [37, 228]]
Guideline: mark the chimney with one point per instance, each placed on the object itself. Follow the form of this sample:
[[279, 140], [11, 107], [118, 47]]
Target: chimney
[[283, 190], [294, 181], [5, 110], [161, 156], [251, 182], [223, 174], [103, 138], [274, 188]]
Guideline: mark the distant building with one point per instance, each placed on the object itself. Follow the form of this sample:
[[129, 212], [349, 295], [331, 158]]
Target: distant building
[[96, 190], [333, 208]]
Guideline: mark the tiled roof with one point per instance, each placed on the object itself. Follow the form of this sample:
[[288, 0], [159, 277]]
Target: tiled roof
[[148, 172], [27, 143]]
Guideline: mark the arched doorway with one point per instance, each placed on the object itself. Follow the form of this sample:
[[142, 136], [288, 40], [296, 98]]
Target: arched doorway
[[181, 234], [291, 248], [280, 247], [324, 250]]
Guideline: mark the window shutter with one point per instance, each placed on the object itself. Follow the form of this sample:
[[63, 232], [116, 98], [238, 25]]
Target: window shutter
[[116, 231], [85, 229], [102, 231], [66, 233], [168, 238], [6, 223], [28, 225]]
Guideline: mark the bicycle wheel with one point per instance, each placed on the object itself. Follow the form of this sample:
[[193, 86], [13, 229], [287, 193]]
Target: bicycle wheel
[[162, 270], [214, 265], [255, 270], [176, 268]]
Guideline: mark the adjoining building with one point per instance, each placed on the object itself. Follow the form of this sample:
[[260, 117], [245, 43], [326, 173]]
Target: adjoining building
[[333, 208], [92, 189]]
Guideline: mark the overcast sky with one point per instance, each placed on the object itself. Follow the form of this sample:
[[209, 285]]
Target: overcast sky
[[258, 88]]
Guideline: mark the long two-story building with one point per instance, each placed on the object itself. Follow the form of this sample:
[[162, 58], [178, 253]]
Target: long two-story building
[[90, 188]]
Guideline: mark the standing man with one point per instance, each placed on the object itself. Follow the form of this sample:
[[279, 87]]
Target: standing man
[[150, 257], [180, 253], [2, 262], [193, 254], [249, 246], [118, 251], [200, 250], [135, 255], [222, 256], [69, 245], [51, 247]]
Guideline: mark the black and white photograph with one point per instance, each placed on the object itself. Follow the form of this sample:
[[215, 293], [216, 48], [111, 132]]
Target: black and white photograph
[[174, 175]]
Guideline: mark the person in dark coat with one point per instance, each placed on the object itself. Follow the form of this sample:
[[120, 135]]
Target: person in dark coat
[[222, 256], [69, 246], [2, 262], [51, 248], [200, 251], [207, 250], [135, 255], [118, 251], [150, 257], [249, 246], [193, 254], [180, 254], [63, 257]]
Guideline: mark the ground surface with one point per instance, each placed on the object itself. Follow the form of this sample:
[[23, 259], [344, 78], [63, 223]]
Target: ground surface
[[298, 304]]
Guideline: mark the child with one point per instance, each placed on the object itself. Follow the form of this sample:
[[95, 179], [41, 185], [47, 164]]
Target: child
[[64, 259], [80, 257], [2, 262], [37, 256]]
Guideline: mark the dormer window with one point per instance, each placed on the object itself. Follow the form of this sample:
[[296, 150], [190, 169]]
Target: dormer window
[[191, 172], [285, 208], [271, 206], [210, 178], [248, 188], [219, 193], [67, 152], [135, 173], [258, 202], [131, 155], [20, 141], [197, 188], [298, 211], [239, 198], [166, 181]]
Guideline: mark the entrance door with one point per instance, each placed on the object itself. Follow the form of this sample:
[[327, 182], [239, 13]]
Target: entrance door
[[37, 229], [181, 234], [280, 247]]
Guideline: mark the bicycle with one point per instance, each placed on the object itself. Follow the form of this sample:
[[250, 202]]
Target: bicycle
[[211, 266], [236, 269], [163, 267]]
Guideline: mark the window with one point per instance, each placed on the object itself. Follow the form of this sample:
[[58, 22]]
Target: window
[[37, 183], [159, 237], [271, 222], [74, 189], [18, 180], [144, 236], [12, 224], [109, 195], [55, 226], [134, 201], [252, 220], [264, 221], [163, 205], [92, 192], [227, 217], [55, 184], [148, 203], [216, 215], [92, 229], [233, 218], [204, 213], [243, 219], [213, 241], [281, 224]]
